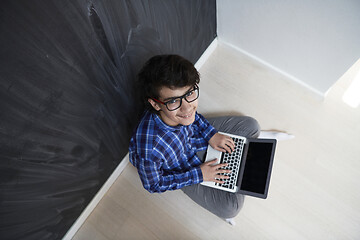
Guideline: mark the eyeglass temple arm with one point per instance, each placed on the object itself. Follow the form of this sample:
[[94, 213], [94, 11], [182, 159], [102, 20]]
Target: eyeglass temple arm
[[158, 101]]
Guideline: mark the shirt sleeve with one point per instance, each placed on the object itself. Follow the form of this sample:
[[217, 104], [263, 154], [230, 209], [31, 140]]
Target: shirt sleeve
[[204, 128], [156, 179]]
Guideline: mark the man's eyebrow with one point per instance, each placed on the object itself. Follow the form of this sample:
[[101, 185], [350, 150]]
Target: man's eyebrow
[[168, 99], [171, 98]]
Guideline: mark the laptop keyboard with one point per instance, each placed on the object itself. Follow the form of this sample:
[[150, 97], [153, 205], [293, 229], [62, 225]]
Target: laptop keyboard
[[233, 160]]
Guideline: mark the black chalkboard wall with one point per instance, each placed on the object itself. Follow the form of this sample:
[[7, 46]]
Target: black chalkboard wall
[[67, 97]]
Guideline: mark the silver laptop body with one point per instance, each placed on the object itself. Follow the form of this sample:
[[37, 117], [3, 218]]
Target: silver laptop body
[[251, 164]]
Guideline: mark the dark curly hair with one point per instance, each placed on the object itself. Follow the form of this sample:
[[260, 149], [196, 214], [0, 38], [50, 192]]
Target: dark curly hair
[[170, 71]]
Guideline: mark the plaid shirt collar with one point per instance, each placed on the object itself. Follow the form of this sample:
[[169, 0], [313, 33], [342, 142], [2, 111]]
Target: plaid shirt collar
[[164, 126]]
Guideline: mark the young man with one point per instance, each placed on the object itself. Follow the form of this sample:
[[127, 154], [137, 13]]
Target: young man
[[168, 145]]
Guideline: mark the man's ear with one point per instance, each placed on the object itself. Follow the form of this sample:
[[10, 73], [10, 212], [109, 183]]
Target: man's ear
[[154, 104]]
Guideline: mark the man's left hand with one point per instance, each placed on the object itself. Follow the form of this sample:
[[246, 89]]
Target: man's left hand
[[222, 143]]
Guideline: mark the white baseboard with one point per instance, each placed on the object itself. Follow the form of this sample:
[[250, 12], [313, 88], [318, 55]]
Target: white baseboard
[[204, 57], [94, 202], [316, 92]]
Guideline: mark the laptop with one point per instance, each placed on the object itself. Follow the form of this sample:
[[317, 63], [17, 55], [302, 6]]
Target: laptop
[[251, 164]]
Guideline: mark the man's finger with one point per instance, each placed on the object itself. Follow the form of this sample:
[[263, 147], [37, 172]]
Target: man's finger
[[232, 146], [228, 148], [218, 181], [221, 176], [221, 165], [224, 171], [220, 149]]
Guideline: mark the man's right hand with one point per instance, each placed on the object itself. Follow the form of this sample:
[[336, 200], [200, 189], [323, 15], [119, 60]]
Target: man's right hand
[[211, 171]]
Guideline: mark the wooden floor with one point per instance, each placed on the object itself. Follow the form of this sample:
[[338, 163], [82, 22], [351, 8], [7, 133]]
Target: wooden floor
[[315, 186]]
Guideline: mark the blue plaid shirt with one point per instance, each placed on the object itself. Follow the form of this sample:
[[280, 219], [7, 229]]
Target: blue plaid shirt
[[165, 156]]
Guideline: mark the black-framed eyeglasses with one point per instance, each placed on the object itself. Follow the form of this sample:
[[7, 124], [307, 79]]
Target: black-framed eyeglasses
[[175, 103]]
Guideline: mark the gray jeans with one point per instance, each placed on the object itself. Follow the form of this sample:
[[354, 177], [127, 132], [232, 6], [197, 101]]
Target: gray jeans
[[221, 203]]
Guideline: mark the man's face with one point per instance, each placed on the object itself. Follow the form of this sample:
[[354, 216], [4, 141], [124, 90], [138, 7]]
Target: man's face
[[185, 115]]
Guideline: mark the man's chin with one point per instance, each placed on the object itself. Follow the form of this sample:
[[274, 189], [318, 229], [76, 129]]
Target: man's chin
[[187, 121]]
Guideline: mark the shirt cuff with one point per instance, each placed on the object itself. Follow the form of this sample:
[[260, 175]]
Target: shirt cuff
[[197, 175], [212, 132]]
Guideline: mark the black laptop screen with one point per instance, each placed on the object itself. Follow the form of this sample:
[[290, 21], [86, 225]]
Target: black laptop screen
[[257, 167]]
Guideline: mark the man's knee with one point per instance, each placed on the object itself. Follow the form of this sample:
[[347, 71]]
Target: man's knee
[[253, 126], [243, 125], [239, 125], [232, 207]]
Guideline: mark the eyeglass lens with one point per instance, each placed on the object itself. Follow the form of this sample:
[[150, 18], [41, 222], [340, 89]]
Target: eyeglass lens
[[189, 97]]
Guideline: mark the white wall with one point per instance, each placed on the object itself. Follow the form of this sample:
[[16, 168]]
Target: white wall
[[312, 41]]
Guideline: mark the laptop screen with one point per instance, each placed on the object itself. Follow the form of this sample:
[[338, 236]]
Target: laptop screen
[[257, 169]]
